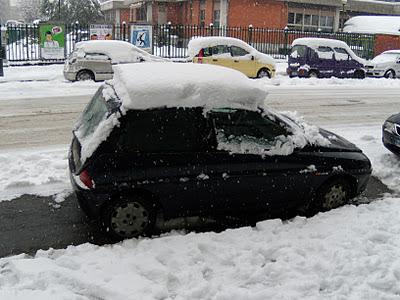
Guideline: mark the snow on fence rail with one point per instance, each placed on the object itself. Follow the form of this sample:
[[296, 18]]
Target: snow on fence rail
[[171, 40]]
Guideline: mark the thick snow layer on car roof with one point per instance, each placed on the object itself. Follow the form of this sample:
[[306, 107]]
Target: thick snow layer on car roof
[[374, 25], [144, 86], [198, 43], [117, 51], [314, 43]]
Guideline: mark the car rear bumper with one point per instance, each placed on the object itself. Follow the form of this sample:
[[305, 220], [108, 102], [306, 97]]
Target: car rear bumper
[[90, 201]]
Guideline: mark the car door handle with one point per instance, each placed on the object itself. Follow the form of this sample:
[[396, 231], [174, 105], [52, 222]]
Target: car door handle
[[215, 59], [236, 61]]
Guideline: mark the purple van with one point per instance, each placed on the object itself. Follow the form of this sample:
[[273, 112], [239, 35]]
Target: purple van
[[323, 58]]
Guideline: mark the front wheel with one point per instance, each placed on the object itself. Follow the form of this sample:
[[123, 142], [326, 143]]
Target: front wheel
[[129, 217], [333, 194], [390, 74], [263, 73]]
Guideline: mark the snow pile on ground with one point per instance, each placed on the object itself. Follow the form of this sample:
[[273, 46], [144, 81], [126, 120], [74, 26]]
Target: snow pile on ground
[[40, 172], [41, 81], [348, 253]]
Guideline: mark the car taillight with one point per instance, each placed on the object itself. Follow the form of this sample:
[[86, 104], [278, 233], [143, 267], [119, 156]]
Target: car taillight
[[86, 179]]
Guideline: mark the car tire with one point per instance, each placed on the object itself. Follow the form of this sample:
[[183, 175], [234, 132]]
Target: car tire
[[331, 195], [312, 74], [359, 74], [390, 74], [264, 73], [129, 216], [84, 75]]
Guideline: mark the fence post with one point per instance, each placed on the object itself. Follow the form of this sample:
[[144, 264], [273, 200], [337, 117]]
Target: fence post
[[286, 32], [1, 51], [250, 34], [124, 31], [169, 38]]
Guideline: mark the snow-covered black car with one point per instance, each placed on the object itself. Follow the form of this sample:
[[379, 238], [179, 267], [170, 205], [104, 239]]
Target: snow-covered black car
[[391, 134], [197, 140]]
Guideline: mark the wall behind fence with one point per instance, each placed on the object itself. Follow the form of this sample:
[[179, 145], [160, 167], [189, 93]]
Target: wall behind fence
[[172, 40]]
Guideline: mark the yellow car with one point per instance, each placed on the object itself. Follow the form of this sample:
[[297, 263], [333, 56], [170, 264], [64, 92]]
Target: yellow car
[[231, 53]]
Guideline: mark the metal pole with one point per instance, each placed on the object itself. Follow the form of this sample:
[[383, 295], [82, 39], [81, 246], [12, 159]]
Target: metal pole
[[1, 55], [59, 10]]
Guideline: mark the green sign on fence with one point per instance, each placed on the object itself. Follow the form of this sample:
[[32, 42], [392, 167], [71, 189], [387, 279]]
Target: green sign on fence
[[52, 41]]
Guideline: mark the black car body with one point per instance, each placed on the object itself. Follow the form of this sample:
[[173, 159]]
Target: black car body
[[194, 158], [391, 134]]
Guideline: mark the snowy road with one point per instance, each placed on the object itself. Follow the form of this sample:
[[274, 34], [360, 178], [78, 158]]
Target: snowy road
[[47, 121]]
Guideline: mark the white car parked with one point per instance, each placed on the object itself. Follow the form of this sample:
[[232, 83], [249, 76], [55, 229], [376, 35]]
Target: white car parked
[[386, 64], [93, 60]]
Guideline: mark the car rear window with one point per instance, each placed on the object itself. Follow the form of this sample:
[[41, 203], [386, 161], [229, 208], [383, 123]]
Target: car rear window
[[94, 113]]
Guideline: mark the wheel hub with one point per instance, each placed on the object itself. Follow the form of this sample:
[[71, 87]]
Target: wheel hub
[[130, 219], [335, 197]]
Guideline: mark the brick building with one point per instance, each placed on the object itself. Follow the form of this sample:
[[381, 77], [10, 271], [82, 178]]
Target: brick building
[[306, 15]]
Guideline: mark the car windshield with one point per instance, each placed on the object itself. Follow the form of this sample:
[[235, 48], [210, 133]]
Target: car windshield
[[385, 57], [96, 111]]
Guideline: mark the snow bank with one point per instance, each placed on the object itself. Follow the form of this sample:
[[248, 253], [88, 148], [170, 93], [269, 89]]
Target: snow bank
[[42, 172], [349, 253], [373, 25], [117, 51], [198, 43]]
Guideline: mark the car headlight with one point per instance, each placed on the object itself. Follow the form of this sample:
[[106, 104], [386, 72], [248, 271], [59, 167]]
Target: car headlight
[[389, 127]]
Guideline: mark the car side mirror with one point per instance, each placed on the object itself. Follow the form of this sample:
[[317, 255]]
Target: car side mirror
[[252, 57]]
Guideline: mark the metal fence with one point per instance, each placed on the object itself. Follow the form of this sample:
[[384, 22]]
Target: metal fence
[[171, 40]]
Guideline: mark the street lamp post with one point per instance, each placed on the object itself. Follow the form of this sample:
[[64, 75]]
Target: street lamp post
[[344, 2]]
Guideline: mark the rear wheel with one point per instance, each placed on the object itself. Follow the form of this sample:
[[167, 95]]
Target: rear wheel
[[390, 74], [313, 74], [359, 74], [84, 75], [129, 217], [263, 73]]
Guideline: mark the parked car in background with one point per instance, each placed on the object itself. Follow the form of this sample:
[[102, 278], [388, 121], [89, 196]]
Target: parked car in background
[[93, 60], [391, 134], [322, 58], [231, 53], [386, 64], [180, 140]]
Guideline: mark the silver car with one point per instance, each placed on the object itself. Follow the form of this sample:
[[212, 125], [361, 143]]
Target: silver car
[[385, 65], [93, 60]]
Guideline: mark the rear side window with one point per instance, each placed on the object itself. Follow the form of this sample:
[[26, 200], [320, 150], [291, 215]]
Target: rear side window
[[237, 51], [325, 52], [165, 130], [341, 54], [298, 52]]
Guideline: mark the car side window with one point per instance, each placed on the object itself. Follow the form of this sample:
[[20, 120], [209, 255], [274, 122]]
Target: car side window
[[298, 51], [220, 50], [325, 52], [168, 130], [248, 127], [341, 54], [206, 52], [237, 51]]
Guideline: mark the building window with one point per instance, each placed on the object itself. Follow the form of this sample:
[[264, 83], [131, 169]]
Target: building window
[[141, 13], [161, 7], [202, 17], [310, 22], [216, 18]]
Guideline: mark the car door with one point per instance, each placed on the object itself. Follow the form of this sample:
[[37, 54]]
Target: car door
[[344, 63], [396, 66], [243, 61], [326, 63], [241, 178], [218, 55]]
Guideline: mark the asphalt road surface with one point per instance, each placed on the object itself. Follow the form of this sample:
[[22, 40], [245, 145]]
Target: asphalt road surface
[[31, 223]]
